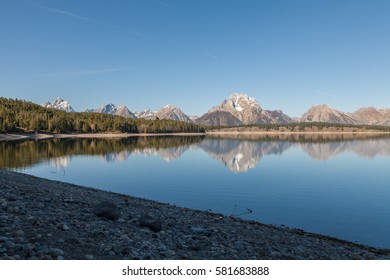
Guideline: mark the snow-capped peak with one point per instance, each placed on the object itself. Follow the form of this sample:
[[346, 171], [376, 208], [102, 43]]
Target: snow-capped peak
[[239, 101], [59, 104]]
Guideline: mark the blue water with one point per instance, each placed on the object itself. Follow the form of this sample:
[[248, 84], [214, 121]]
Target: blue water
[[337, 188]]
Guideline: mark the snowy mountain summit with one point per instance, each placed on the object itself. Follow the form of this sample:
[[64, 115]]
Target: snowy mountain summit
[[239, 109], [241, 100], [111, 109], [59, 104]]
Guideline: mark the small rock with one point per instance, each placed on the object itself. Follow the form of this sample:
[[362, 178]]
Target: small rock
[[170, 252], [18, 233], [18, 239], [8, 244], [107, 210], [56, 252], [125, 237], [63, 226], [73, 240], [89, 257], [150, 222], [276, 254], [3, 217], [198, 230], [3, 238]]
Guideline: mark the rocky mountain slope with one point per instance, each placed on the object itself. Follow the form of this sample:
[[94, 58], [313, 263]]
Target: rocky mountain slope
[[218, 118], [324, 113], [172, 113], [372, 116]]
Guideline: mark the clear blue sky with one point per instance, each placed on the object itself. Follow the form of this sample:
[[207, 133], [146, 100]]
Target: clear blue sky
[[193, 54]]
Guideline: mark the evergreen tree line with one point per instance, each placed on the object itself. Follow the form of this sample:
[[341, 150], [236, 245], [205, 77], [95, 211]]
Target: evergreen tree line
[[23, 116]]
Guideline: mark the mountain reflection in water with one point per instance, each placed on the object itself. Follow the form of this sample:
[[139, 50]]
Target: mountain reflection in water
[[239, 153]]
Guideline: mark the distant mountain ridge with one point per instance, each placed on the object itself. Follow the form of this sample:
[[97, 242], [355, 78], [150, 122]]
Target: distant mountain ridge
[[172, 113], [372, 116], [111, 109], [240, 109], [324, 113]]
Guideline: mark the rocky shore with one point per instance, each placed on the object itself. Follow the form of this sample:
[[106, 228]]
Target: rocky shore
[[43, 219]]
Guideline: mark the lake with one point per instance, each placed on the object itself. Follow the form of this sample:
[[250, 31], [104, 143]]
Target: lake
[[332, 185]]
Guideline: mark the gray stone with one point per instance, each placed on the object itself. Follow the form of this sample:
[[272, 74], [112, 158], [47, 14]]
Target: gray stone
[[63, 226], [8, 244], [107, 210], [150, 222], [56, 252], [89, 257], [18, 239], [18, 232], [198, 230], [3, 238]]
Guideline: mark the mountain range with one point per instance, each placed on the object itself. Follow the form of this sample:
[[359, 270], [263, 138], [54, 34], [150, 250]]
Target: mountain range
[[111, 109], [240, 109]]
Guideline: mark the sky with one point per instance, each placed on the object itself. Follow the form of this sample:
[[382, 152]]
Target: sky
[[193, 54]]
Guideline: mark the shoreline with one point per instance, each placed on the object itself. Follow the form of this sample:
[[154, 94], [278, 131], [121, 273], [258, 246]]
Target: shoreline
[[44, 219], [45, 136]]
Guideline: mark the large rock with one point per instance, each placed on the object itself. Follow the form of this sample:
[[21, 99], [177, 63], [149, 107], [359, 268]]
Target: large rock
[[150, 222], [107, 210]]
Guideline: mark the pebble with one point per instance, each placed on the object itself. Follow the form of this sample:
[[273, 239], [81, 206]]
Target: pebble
[[18, 233], [63, 226], [198, 230], [3, 238], [56, 252], [18, 239]]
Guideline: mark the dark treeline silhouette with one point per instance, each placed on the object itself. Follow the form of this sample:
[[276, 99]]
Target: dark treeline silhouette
[[23, 116], [14, 154]]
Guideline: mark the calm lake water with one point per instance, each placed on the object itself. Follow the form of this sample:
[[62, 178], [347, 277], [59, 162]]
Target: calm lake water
[[338, 186]]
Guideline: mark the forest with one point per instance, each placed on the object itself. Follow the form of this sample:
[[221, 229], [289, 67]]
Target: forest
[[23, 116]]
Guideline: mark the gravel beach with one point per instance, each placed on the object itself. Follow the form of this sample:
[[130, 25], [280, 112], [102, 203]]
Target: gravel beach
[[43, 219]]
